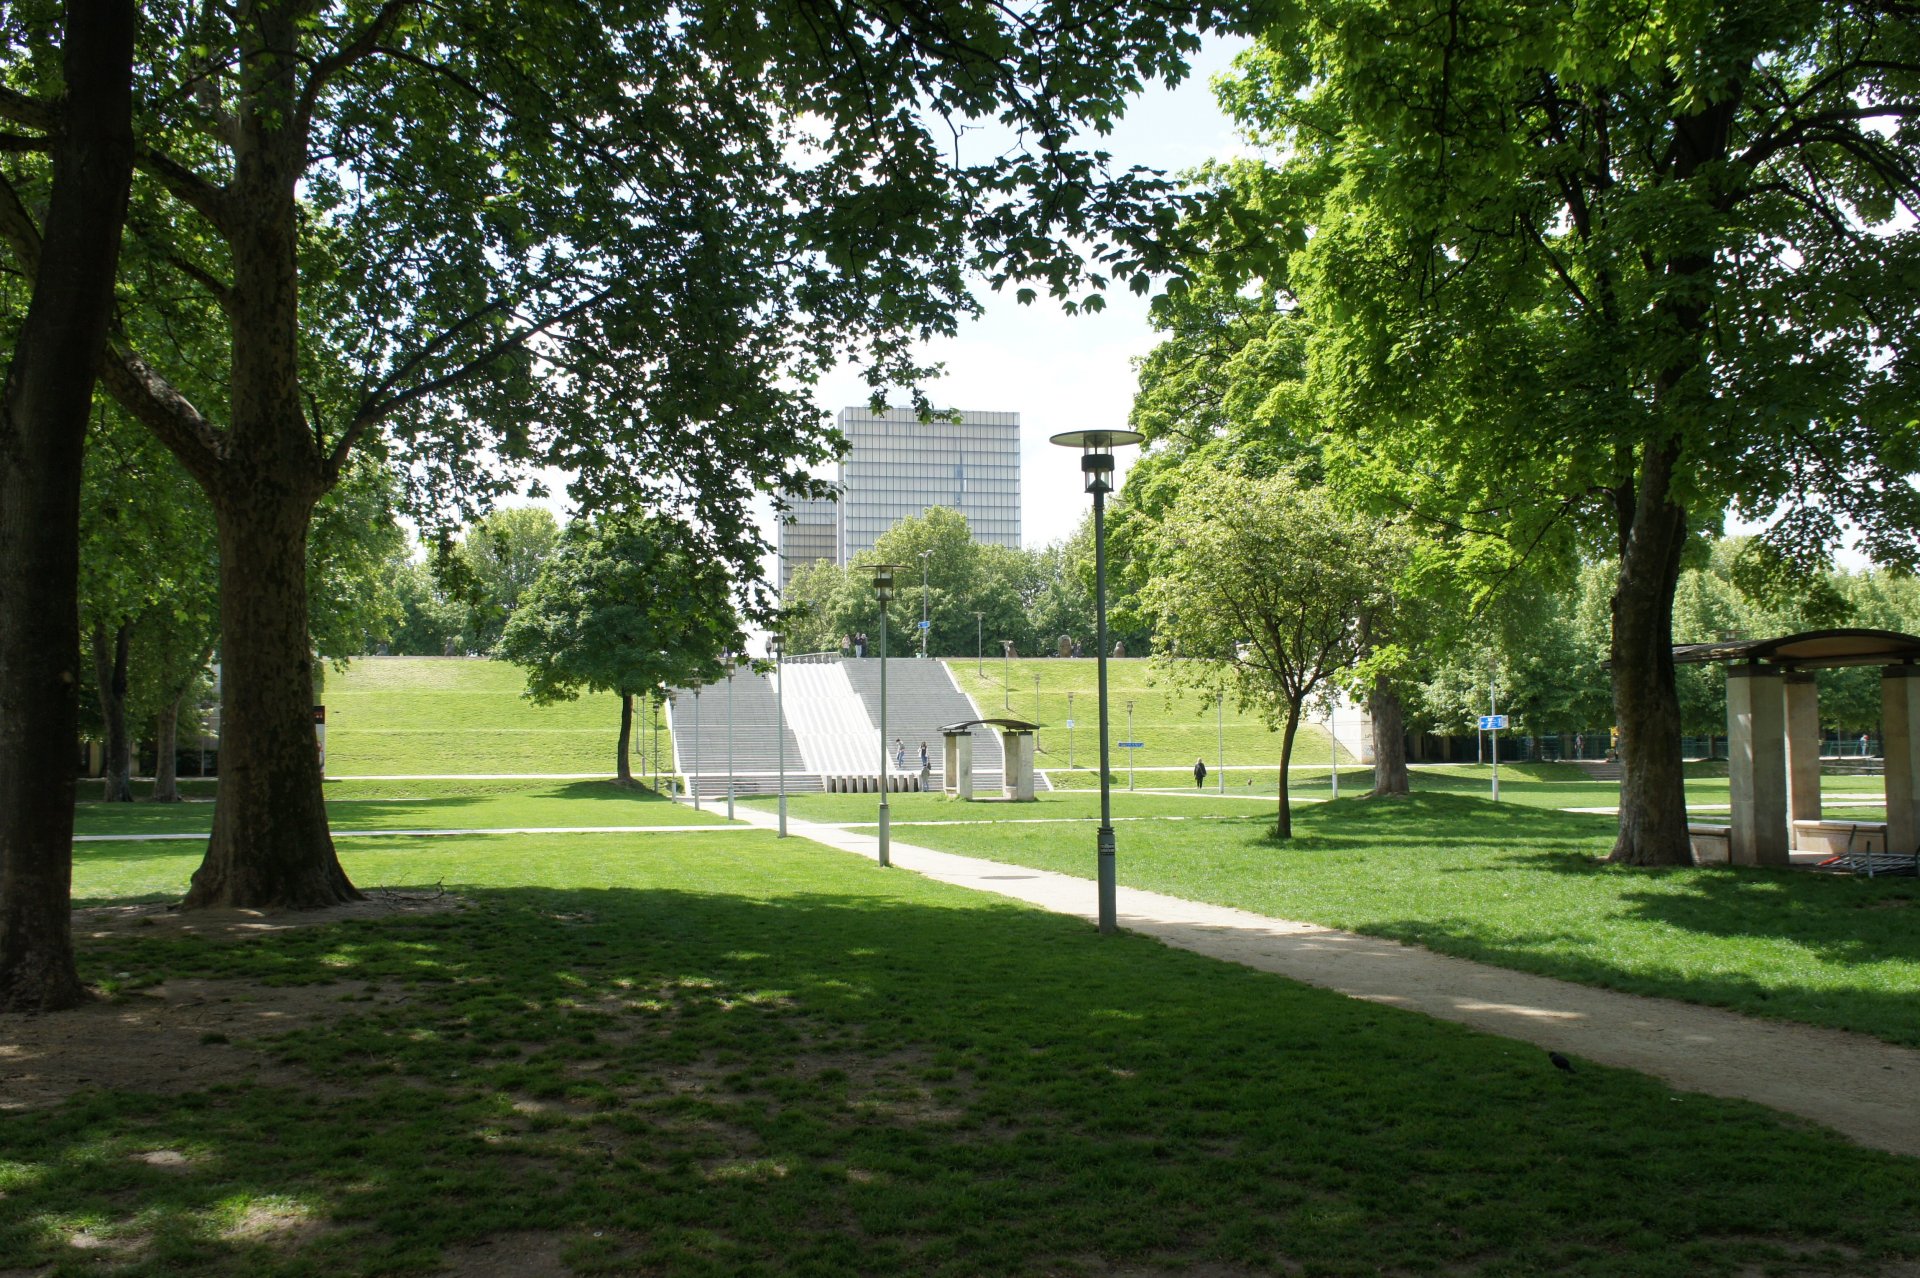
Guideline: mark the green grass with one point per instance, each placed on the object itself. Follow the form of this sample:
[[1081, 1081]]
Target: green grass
[[689, 1056], [1176, 725], [425, 805], [448, 715], [1519, 886]]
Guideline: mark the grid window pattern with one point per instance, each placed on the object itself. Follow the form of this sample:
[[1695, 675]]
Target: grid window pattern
[[898, 467], [809, 533]]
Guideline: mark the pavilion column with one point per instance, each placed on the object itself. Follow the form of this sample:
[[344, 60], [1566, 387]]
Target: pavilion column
[[1900, 724], [1017, 749], [1757, 766], [1803, 747]]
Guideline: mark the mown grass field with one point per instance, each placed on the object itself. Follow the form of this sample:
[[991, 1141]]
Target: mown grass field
[[399, 716], [1176, 726], [726, 1055], [1516, 885]]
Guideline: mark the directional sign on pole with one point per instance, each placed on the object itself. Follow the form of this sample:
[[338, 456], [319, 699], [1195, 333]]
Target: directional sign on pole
[[1131, 745], [926, 625], [1493, 722]]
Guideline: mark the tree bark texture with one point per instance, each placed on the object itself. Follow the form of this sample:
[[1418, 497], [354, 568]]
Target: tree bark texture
[[166, 756], [270, 848], [43, 419], [110, 653], [1646, 702], [623, 756], [1389, 739], [1283, 818]]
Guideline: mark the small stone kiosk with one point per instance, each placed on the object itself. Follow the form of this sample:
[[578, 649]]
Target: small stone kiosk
[[1773, 748], [1016, 747]]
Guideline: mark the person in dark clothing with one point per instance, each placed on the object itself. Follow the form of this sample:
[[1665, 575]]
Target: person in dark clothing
[[1199, 773]]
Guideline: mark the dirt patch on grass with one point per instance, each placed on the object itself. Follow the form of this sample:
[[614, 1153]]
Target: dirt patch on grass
[[524, 1255], [185, 1035], [104, 922]]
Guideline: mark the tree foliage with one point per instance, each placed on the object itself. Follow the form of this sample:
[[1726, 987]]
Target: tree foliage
[[1258, 589], [626, 604]]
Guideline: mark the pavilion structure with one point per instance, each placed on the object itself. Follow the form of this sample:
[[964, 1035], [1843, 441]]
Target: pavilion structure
[[1773, 747], [1016, 748]]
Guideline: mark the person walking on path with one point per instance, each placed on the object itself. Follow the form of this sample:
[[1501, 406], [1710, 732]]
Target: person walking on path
[[1199, 774]]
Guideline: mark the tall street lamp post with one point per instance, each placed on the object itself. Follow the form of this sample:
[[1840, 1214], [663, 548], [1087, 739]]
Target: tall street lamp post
[[1096, 465], [1006, 674], [731, 665], [883, 590], [979, 661], [926, 623], [1069, 730], [1036, 711], [1130, 751], [693, 778], [1222, 769], [780, 720]]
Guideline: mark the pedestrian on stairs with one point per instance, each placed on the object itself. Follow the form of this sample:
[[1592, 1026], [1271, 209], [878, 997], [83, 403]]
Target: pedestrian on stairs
[[899, 754], [926, 763]]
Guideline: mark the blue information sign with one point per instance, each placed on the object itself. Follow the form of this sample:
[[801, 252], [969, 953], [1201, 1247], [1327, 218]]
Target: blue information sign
[[1492, 722], [1131, 745]]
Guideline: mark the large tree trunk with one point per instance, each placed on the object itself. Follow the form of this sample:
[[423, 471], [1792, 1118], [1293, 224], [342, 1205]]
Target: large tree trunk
[[623, 755], [270, 848], [1646, 701], [110, 681], [43, 419], [166, 760], [1389, 739]]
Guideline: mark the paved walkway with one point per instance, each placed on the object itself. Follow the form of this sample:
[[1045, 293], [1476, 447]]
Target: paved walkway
[[1857, 1085]]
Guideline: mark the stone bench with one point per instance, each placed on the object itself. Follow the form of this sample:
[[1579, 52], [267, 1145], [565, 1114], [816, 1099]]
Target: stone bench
[[1712, 844], [1837, 838]]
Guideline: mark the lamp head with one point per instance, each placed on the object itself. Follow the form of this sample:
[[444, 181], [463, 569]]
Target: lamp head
[[1096, 453], [883, 581]]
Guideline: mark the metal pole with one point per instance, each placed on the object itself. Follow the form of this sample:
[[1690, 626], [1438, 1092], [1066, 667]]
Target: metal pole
[[693, 779], [1333, 753], [1069, 730], [886, 814], [656, 742], [1493, 734], [730, 666], [780, 724], [1006, 674], [1222, 727], [1036, 712], [979, 658], [1130, 752], [925, 626], [1104, 846]]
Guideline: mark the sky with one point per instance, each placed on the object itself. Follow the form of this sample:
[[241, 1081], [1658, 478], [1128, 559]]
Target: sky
[[1069, 372]]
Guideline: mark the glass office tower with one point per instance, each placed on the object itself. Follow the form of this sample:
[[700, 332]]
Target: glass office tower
[[898, 467]]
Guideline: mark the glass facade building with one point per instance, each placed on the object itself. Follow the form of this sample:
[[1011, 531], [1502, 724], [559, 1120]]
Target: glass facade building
[[899, 466]]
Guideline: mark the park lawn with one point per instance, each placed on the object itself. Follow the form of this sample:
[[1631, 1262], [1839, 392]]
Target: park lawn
[[428, 805], [859, 809], [1176, 726], [450, 715], [1519, 887], [688, 1055]]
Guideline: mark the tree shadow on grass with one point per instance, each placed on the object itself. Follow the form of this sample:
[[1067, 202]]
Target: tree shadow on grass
[[908, 1080]]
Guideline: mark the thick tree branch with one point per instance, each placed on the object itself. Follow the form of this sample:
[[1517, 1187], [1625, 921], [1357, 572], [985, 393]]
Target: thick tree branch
[[24, 109], [357, 47], [18, 229], [203, 197], [153, 401]]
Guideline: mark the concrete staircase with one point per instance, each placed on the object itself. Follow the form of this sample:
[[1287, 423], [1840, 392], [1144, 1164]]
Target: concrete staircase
[[701, 735], [832, 727]]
